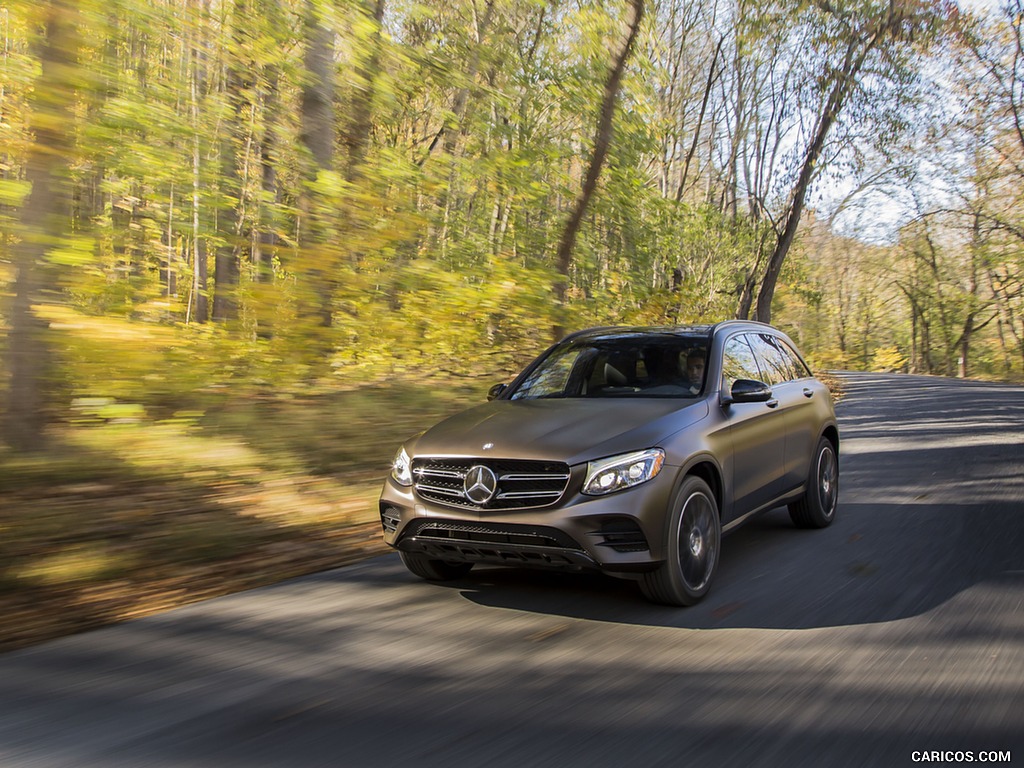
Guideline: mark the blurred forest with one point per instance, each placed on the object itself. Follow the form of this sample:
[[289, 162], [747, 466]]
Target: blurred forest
[[258, 196], [248, 246]]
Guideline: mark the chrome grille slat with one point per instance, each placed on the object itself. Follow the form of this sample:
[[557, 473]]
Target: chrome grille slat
[[525, 477], [529, 495], [445, 473], [456, 492]]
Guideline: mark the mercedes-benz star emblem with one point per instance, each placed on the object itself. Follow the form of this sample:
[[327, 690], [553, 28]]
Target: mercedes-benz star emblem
[[480, 485]]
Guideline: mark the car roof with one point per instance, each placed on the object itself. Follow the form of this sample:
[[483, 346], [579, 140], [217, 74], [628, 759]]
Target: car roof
[[706, 330]]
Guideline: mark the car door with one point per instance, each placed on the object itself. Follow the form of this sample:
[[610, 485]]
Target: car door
[[803, 435], [795, 405], [757, 434]]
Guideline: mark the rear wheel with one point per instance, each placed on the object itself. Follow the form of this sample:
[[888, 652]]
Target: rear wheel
[[694, 541], [434, 570], [817, 507]]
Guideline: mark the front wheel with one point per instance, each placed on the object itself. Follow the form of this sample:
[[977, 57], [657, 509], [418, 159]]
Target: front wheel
[[817, 507], [695, 535], [433, 570]]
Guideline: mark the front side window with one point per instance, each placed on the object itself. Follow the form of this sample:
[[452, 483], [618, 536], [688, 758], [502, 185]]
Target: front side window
[[738, 362], [630, 365]]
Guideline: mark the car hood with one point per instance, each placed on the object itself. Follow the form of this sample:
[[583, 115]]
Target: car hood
[[569, 430]]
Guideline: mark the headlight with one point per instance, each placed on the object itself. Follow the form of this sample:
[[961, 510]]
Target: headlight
[[401, 468], [618, 472]]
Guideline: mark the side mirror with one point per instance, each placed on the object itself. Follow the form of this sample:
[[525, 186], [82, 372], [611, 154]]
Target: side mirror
[[496, 391], [749, 391]]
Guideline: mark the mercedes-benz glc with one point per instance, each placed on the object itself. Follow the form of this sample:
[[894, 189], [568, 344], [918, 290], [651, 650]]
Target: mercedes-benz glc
[[627, 450]]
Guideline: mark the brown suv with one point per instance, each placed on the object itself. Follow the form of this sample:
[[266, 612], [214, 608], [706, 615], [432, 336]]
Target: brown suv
[[628, 450]]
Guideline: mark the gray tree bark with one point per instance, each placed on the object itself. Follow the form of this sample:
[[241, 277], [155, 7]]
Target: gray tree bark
[[44, 217]]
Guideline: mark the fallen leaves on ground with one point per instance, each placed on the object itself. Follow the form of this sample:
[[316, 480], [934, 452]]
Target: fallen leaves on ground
[[80, 556]]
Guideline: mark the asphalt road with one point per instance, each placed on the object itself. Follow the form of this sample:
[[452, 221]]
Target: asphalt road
[[899, 629]]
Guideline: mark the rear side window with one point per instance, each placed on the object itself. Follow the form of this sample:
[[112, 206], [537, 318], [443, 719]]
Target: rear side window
[[775, 363], [799, 367]]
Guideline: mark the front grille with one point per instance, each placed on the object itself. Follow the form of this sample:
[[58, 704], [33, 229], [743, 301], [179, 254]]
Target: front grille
[[491, 533], [520, 484], [494, 543]]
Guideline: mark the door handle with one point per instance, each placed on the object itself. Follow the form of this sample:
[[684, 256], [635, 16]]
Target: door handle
[[773, 403], [808, 392]]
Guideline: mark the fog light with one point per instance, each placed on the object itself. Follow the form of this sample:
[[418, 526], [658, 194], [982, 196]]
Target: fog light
[[390, 517]]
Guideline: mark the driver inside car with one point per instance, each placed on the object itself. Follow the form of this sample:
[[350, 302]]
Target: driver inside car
[[693, 366]]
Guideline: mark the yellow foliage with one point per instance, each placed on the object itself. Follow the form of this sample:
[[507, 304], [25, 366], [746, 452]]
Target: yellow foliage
[[888, 359], [832, 359]]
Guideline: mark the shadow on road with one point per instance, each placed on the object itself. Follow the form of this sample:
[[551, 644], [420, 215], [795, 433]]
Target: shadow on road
[[857, 577]]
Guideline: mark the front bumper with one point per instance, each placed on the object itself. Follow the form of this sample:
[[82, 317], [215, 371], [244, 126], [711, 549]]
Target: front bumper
[[620, 533]]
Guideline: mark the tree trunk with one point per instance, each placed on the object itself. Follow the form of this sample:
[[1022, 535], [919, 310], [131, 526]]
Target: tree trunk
[[225, 271], [357, 134], [602, 141], [747, 295], [963, 361], [913, 341], [318, 94], [267, 242], [700, 120], [44, 217], [317, 120], [197, 309], [198, 293], [238, 80], [837, 98]]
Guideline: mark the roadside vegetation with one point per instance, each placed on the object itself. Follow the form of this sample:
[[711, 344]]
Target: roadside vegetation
[[127, 514]]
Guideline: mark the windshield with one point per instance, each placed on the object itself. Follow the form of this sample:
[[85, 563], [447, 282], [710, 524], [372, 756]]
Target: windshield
[[634, 365]]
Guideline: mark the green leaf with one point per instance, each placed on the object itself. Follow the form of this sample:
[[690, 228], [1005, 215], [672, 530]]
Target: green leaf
[[13, 191], [76, 251], [330, 184]]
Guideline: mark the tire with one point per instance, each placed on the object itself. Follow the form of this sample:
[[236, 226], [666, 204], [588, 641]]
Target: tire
[[694, 543], [434, 570], [817, 507]]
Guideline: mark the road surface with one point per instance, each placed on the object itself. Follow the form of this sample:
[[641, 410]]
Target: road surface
[[896, 631]]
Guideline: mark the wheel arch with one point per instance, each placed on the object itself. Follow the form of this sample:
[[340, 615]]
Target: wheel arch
[[710, 473], [831, 433]]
